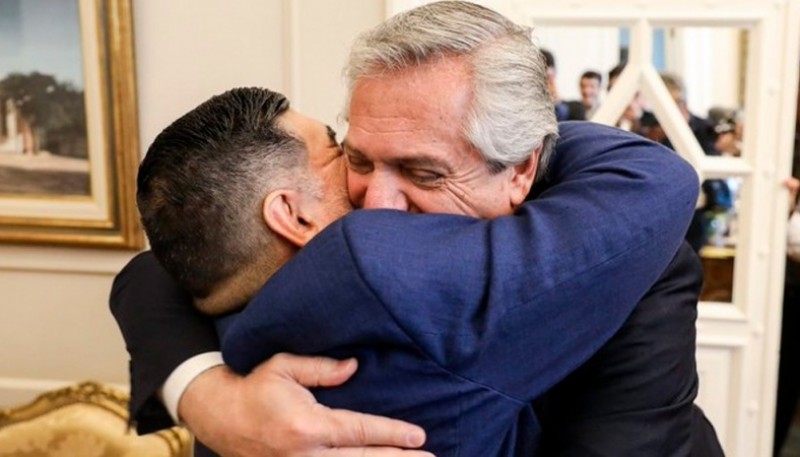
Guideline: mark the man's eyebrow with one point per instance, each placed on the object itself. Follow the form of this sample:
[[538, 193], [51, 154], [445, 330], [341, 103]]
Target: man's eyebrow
[[346, 145], [426, 162], [332, 135], [410, 161]]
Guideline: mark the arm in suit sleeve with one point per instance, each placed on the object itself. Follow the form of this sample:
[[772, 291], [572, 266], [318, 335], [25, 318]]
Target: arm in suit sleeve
[[161, 330], [540, 291]]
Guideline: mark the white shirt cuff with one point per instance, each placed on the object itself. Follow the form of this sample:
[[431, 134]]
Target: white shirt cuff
[[182, 376]]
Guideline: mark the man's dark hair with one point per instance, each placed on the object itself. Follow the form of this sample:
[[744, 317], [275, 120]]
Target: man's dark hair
[[202, 184], [549, 59], [591, 74], [615, 72]]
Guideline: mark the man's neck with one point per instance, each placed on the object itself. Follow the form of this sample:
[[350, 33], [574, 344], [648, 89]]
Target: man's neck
[[233, 293]]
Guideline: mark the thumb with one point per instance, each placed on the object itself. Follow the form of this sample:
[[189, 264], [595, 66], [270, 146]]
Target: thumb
[[313, 371]]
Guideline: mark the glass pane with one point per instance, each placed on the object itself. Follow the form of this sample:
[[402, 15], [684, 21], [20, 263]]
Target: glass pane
[[714, 234], [702, 69], [598, 53]]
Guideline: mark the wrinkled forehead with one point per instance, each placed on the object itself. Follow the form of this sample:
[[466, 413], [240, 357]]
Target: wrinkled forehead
[[421, 77], [425, 92]]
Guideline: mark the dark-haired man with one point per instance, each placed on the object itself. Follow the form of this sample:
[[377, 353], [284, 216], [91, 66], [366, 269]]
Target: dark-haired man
[[590, 84], [228, 191], [407, 148], [565, 110]]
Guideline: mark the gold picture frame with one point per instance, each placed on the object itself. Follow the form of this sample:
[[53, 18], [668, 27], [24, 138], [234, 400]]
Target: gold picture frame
[[83, 194]]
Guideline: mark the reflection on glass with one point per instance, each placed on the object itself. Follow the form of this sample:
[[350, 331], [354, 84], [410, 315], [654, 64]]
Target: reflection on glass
[[702, 69], [709, 60], [713, 234], [659, 47]]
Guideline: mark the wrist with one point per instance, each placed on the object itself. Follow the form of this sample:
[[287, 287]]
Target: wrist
[[179, 380], [200, 396]]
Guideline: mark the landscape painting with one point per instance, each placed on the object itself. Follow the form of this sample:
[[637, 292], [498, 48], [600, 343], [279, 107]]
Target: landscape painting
[[68, 123], [43, 137]]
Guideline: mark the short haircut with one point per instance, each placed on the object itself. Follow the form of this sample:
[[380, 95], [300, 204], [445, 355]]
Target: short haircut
[[202, 184], [591, 74], [512, 113]]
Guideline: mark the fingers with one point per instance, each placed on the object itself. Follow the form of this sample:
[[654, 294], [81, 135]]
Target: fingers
[[312, 371], [348, 428], [318, 427]]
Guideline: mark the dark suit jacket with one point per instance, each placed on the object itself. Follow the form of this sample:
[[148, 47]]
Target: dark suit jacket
[[522, 324], [459, 324], [643, 382], [570, 111]]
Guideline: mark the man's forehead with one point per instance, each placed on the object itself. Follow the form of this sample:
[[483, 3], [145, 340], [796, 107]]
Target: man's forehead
[[412, 116], [291, 120], [303, 127], [425, 80]]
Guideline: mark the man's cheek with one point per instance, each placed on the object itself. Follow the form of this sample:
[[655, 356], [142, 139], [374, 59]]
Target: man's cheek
[[356, 188]]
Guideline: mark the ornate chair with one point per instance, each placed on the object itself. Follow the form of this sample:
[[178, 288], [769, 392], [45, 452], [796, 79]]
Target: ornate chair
[[86, 420]]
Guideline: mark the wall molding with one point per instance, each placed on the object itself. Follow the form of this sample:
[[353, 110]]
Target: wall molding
[[63, 260], [291, 67]]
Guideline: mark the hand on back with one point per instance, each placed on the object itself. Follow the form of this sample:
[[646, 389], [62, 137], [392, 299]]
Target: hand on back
[[270, 412]]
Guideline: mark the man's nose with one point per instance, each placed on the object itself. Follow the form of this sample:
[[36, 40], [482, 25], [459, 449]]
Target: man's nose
[[384, 191]]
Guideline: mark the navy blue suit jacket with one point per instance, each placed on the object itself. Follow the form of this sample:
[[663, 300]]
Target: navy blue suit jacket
[[459, 324]]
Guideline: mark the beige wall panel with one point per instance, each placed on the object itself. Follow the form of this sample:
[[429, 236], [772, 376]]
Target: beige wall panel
[[60, 327], [321, 34], [55, 324], [188, 50]]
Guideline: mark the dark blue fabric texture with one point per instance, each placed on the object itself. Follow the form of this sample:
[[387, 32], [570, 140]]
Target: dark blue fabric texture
[[458, 324]]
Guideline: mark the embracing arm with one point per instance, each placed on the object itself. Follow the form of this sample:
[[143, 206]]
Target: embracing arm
[[549, 285], [267, 413], [149, 307]]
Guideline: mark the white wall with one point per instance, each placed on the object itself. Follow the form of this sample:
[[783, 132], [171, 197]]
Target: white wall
[[710, 60], [55, 324]]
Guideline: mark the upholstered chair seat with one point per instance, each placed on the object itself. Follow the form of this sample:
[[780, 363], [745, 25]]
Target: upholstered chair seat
[[84, 420]]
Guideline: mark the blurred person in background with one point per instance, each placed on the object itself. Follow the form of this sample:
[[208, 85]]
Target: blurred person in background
[[590, 85], [565, 111], [636, 118]]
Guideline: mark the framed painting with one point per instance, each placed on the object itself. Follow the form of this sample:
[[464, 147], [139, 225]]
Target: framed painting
[[68, 123]]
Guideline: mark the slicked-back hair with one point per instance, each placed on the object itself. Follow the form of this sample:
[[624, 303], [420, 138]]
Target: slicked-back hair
[[202, 184], [511, 112]]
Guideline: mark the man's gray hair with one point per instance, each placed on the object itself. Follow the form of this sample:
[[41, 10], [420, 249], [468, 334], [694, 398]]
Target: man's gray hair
[[511, 114]]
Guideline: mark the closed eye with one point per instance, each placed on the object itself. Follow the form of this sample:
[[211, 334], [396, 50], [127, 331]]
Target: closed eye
[[422, 177], [358, 163]]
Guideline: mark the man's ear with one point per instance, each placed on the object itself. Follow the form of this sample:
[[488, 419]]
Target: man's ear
[[283, 213], [522, 178]]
